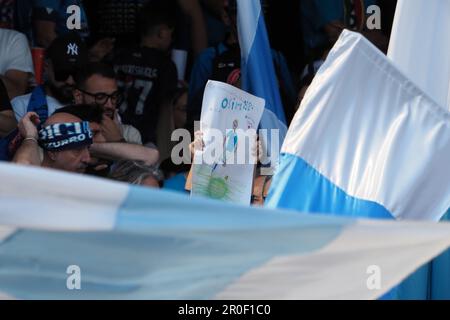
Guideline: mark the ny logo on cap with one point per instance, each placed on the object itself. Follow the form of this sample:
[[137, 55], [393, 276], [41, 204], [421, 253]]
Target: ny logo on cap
[[72, 49]]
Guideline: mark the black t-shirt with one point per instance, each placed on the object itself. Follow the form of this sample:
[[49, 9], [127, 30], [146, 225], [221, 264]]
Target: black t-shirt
[[148, 77], [5, 104]]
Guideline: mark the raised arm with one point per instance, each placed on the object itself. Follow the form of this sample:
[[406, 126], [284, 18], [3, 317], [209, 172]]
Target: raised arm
[[125, 151], [28, 153]]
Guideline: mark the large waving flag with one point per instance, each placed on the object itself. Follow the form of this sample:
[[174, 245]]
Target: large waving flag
[[258, 73], [65, 236], [365, 142], [420, 45], [422, 52]]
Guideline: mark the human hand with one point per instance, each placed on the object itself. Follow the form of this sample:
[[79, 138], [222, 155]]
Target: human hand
[[111, 130], [28, 125], [198, 143]]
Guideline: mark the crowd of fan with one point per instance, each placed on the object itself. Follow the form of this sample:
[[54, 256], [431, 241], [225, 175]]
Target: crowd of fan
[[111, 93]]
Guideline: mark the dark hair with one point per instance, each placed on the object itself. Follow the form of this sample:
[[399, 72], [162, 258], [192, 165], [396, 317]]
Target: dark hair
[[93, 68], [86, 112], [156, 14]]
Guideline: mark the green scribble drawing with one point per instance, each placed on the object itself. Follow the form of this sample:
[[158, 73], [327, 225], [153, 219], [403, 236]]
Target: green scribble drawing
[[217, 188], [213, 186]]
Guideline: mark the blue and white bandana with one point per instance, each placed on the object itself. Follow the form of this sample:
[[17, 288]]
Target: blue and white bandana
[[65, 136]]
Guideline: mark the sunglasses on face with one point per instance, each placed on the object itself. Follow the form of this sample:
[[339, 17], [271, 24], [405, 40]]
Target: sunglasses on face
[[63, 75], [101, 98]]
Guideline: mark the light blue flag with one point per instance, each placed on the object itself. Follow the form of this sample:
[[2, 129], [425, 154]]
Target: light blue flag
[[422, 52], [258, 72], [66, 236], [366, 142]]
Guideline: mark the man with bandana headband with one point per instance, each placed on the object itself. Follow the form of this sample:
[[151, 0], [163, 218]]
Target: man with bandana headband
[[64, 57], [64, 138]]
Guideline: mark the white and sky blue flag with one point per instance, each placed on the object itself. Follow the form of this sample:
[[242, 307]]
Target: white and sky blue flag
[[258, 72], [366, 142], [420, 45], [60, 232]]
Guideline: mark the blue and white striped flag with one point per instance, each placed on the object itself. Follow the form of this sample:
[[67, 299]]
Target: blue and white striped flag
[[422, 52], [366, 142], [65, 236], [258, 72]]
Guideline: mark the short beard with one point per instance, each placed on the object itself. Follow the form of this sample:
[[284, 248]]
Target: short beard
[[63, 94]]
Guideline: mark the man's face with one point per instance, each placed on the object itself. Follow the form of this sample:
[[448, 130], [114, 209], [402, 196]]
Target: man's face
[[61, 84], [96, 91], [74, 160], [166, 36]]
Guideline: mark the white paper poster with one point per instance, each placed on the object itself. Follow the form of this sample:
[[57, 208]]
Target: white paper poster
[[224, 169]]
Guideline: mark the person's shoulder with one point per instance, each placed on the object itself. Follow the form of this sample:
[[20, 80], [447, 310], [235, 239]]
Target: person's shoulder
[[119, 56], [53, 103], [19, 100], [154, 54], [158, 59], [169, 64], [20, 105], [126, 51], [9, 37], [137, 56], [131, 134]]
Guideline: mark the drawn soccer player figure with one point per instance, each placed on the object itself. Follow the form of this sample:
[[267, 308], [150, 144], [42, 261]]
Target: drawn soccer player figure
[[230, 143]]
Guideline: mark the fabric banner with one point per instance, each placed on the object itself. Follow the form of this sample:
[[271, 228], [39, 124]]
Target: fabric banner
[[76, 237], [366, 142], [420, 46]]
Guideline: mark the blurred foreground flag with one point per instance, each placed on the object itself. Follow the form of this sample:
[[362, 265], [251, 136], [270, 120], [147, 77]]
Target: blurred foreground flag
[[257, 68], [366, 142], [420, 45], [66, 236]]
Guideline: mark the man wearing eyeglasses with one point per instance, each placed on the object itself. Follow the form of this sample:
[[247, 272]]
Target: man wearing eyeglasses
[[96, 85]]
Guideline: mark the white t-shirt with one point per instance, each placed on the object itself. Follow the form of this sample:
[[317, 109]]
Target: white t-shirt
[[15, 53], [131, 134], [20, 105]]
